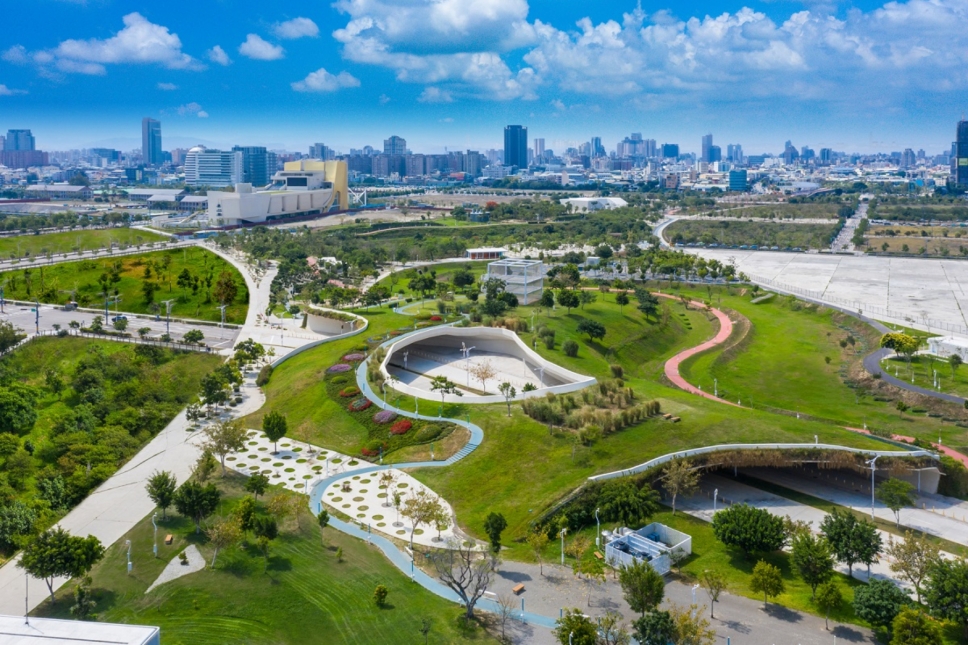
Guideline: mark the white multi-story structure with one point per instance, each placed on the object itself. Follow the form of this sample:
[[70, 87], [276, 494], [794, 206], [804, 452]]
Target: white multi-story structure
[[523, 278], [216, 168], [303, 188]]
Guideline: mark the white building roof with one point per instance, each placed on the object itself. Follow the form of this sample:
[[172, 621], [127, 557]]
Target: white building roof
[[50, 631], [195, 199], [59, 188], [488, 249], [153, 192]]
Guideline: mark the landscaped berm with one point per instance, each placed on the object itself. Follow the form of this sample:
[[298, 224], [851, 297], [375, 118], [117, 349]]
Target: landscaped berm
[[477, 360]]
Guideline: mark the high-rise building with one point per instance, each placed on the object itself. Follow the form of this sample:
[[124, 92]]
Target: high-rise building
[[670, 150], [321, 151], [737, 180], [908, 159], [707, 144], [715, 154], [472, 162], [734, 153], [826, 155], [516, 146], [596, 147], [395, 146], [255, 165], [213, 168], [961, 155], [539, 148], [151, 142], [19, 140]]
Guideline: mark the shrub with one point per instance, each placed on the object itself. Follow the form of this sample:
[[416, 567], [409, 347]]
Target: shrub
[[549, 341], [339, 367], [428, 433], [347, 392], [338, 380], [570, 348], [384, 416], [359, 404], [617, 371], [372, 448], [264, 375], [435, 319], [423, 315], [354, 358], [401, 427]]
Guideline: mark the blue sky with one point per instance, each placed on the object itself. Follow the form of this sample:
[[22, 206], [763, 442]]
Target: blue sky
[[451, 73]]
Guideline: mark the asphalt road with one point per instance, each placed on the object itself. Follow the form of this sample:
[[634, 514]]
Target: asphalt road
[[21, 316]]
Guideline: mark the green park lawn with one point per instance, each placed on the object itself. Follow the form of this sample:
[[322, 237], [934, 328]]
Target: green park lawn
[[760, 232], [74, 241], [922, 368], [137, 399], [305, 596], [781, 365], [86, 278], [398, 282]]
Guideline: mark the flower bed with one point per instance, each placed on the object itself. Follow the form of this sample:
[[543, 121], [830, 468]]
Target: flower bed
[[354, 358], [401, 427], [359, 404], [384, 416], [372, 449], [339, 367], [349, 391], [436, 318]]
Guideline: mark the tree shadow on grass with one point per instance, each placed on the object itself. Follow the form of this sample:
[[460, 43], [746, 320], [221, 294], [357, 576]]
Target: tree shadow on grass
[[278, 563]]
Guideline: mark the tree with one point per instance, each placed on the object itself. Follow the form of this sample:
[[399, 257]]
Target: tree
[[655, 628], [196, 501], [913, 627], [213, 389], [494, 525], [143, 332], [266, 530], [508, 391], [648, 303], [257, 484], [593, 328], [680, 479], [900, 343], [205, 465], [193, 336], [567, 299], [946, 591], [465, 571], [225, 288], [483, 372], [813, 559], [223, 533], [714, 583], [55, 553], [624, 502], [161, 488], [828, 599], [538, 540], [642, 586], [749, 529], [420, 508], [621, 299], [17, 414], [323, 520], [84, 602], [912, 559], [547, 299], [380, 596], [879, 601], [691, 628], [120, 324], [955, 362], [852, 540], [586, 298], [612, 631], [148, 290], [896, 494], [275, 428], [766, 579], [444, 386], [244, 512], [225, 437], [574, 628]]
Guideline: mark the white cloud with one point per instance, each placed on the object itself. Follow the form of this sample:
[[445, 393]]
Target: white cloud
[[384, 99], [323, 81], [258, 49], [296, 28], [167, 87], [16, 55], [217, 55], [192, 109], [140, 41], [435, 95], [6, 91]]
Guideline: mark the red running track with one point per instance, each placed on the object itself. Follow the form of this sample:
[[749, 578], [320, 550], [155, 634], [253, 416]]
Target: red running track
[[672, 365]]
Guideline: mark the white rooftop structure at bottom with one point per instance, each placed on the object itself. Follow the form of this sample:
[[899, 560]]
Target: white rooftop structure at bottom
[[52, 631], [523, 278]]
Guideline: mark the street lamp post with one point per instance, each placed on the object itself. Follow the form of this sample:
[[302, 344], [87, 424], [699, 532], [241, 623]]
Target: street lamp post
[[154, 524], [168, 304], [873, 465], [715, 497], [127, 543], [563, 531], [598, 528]]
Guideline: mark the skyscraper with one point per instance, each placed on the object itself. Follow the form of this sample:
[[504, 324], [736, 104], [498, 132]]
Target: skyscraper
[[707, 144], [213, 168], [539, 148], [19, 140], [516, 146], [597, 149], [395, 146], [255, 165], [151, 142], [961, 155]]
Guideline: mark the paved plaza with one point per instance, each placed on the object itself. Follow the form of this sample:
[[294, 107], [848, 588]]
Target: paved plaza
[[931, 293]]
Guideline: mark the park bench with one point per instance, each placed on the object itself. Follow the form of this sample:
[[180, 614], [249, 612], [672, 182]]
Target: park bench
[[599, 555], [518, 589], [666, 416], [169, 538]]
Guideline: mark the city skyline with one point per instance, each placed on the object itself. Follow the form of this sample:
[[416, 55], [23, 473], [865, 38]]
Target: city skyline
[[864, 77]]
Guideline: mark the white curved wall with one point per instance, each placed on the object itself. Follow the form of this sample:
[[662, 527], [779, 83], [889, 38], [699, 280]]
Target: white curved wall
[[330, 326], [492, 339]]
